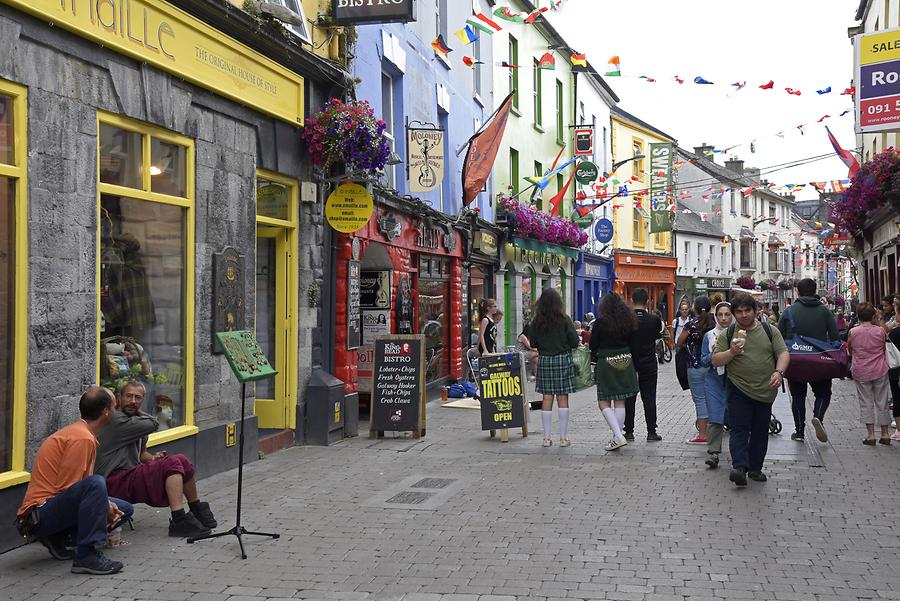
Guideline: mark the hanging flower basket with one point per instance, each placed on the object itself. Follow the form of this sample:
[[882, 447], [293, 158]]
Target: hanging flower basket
[[347, 133], [746, 283], [528, 222], [877, 184], [767, 284], [786, 284]]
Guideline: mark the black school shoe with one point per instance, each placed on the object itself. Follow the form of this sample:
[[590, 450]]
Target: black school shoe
[[653, 437], [188, 526], [96, 563], [712, 461], [56, 544], [757, 476], [739, 476], [629, 436], [203, 514]]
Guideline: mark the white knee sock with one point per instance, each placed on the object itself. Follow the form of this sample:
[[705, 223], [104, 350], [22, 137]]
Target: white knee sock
[[610, 414], [620, 417], [563, 422], [547, 419]]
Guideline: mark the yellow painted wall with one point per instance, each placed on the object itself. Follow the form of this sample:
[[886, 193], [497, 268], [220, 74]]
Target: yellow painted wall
[[624, 135]]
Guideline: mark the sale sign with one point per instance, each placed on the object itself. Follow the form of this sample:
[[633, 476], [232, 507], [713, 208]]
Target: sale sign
[[878, 77]]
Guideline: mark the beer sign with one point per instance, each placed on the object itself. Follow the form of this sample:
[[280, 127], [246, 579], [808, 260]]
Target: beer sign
[[584, 142]]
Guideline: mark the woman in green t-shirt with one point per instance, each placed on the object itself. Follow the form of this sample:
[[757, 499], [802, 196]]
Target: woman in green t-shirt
[[552, 333]]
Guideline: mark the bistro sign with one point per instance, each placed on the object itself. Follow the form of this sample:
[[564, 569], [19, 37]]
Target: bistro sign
[[354, 12]]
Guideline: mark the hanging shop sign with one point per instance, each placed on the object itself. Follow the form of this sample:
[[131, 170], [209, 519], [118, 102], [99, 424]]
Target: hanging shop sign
[[878, 77], [586, 172], [584, 142], [718, 283], [425, 159], [501, 381], [603, 230], [375, 290], [176, 42], [584, 222], [354, 12], [228, 293], [662, 163], [398, 385], [354, 317], [349, 208], [486, 243]]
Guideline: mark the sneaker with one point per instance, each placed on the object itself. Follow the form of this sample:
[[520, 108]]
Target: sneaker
[[821, 434], [565, 442], [653, 437], [798, 436], [203, 514], [547, 442], [629, 436], [188, 526], [56, 544], [697, 440], [757, 476], [712, 461], [739, 476], [896, 435], [616, 443], [96, 563]]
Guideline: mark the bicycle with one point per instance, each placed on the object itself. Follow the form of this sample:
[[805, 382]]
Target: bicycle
[[663, 352]]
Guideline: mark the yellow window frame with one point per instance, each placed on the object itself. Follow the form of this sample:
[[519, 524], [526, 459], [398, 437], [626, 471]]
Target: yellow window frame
[[19, 173], [147, 132], [290, 313]]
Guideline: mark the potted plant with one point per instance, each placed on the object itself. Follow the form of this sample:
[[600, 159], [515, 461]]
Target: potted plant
[[767, 284], [348, 133], [528, 222], [746, 283], [786, 284], [877, 184]]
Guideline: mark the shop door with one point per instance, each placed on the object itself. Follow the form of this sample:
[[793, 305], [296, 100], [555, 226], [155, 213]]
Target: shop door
[[274, 399]]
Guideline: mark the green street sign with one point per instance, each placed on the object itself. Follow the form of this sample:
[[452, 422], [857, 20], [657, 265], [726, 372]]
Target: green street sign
[[584, 222], [586, 172]]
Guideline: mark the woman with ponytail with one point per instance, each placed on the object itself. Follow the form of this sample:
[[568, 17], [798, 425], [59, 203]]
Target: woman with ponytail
[[487, 331], [691, 338]]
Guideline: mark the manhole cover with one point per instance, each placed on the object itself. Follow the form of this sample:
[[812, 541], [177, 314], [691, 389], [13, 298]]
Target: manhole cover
[[433, 483], [409, 497]]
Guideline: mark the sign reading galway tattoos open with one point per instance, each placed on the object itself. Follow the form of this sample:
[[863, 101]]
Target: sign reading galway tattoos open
[[172, 40]]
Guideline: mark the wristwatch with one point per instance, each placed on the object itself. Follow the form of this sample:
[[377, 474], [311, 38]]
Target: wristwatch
[[780, 373]]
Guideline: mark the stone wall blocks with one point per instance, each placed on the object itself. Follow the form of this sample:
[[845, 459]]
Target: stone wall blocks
[[49, 274], [224, 127], [207, 153], [9, 39]]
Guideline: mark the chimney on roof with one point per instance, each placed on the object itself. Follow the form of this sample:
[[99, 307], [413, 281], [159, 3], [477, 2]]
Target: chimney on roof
[[705, 151], [752, 173], [735, 165]]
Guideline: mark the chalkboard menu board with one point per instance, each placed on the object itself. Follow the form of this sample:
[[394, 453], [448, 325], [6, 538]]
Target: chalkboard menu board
[[354, 317], [501, 381], [398, 385]]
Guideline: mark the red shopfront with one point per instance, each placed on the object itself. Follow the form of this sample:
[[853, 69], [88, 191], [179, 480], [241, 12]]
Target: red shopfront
[[410, 278], [655, 273]]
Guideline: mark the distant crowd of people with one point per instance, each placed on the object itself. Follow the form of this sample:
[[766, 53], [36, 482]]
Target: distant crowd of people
[[732, 355]]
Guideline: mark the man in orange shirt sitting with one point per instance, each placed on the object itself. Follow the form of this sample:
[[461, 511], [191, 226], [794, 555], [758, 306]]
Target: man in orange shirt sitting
[[64, 496]]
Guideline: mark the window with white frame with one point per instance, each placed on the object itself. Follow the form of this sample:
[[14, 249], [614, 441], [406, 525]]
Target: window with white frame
[[299, 30], [387, 115], [476, 70]]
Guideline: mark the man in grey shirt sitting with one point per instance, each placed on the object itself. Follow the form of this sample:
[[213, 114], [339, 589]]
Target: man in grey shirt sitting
[[138, 476]]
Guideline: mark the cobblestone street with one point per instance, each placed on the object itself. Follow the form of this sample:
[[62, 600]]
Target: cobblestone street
[[499, 521]]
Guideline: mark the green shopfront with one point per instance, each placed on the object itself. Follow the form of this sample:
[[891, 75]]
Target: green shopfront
[[527, 268]]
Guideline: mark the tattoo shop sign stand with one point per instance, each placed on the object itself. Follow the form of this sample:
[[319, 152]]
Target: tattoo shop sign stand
[[501, 385], [249, 364]]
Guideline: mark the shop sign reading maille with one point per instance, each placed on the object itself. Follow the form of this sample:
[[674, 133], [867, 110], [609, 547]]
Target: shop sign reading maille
[[174, 41], [353, 12]]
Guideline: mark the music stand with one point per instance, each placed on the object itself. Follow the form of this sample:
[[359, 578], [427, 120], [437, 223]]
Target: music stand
[[249, 364]]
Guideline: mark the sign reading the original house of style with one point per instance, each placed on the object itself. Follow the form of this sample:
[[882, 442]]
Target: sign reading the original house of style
[[501, 380], [176, 42], [398, 385], [354, 12]]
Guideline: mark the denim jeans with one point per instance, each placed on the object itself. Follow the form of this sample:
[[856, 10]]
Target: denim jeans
[[81, 508], [749, 422], [697, 380], [821, 391]]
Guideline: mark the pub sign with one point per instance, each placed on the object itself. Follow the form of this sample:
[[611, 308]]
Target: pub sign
[[355, 12]]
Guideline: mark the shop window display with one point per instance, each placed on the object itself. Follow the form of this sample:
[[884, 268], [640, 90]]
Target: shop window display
[[434, 311], [7, 316]]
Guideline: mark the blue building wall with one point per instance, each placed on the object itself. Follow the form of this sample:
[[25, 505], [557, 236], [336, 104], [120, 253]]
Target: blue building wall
[[429, 88], [594, 277]]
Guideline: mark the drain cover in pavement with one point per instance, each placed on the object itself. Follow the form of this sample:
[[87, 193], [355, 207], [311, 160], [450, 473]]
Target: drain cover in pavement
[[409, 497], [433, 483]]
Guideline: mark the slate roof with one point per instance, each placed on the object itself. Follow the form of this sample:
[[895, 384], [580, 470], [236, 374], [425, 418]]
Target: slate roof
[[615, 110], [690, 223], [722, 173]]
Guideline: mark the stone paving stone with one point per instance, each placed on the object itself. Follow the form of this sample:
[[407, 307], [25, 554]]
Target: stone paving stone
[[649, 522]]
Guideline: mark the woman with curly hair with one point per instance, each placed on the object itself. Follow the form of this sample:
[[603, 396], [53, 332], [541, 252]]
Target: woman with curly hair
[[611, 341], [552, 333]]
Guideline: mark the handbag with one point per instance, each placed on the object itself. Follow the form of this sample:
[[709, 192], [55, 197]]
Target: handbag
[[813, 359], [892, 355]]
